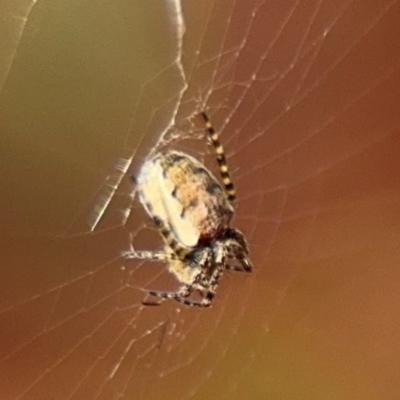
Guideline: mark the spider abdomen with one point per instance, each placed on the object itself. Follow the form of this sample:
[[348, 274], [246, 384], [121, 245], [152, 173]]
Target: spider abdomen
[[185, 196]]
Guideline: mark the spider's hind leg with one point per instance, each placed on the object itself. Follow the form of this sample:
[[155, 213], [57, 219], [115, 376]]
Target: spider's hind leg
[[221, 159], [179, 250], [183, 292], [160, 255]]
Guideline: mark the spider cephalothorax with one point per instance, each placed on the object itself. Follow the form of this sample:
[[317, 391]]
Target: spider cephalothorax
[[192, 212]]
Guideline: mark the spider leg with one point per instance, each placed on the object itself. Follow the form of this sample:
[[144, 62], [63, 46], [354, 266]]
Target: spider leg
[[169, 239], [200, 259], [245, 264], [178, 252], [149, 255], [221, 159], [165, 232], [183, 292], [154, 255], [182, 297], [208, 292], [236, 248], [204, 302]]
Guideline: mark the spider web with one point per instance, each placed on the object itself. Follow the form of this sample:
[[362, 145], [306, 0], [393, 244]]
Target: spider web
[[304, 95]]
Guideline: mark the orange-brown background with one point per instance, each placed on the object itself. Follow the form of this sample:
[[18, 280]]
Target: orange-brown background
[[306, 96]]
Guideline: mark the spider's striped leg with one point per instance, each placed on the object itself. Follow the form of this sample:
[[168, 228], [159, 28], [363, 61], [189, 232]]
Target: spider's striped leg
[[154, 255], [184, 291], [236, 253], [204, 302], [200, 260], [182, 297], [245, 264], [160, 255], [179, 250], [184, 300], [218, 264], [236, 248], [245, 261], [221, 159]]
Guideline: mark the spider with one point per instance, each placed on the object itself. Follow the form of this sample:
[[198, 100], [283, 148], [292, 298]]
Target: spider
[[192, 212]]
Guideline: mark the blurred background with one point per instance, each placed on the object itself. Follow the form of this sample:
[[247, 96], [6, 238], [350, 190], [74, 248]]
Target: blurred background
[[305, 97]]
